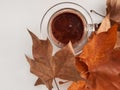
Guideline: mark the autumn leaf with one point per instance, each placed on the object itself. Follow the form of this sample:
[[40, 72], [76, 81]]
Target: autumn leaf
[[47, 67], [96, 53], [38, 82], [82, 68], [64, 64], [79, 85], [41, 70], [105, 25], [102, 61], [113, 7], [41, 49], [98, 46], [41, 66], [106, 76]]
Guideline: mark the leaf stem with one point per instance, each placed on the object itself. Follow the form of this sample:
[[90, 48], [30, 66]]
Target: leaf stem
[[56, 84], [97, 13]]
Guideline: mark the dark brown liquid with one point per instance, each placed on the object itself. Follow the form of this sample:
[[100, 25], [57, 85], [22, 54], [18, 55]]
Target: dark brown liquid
[[67, 27]]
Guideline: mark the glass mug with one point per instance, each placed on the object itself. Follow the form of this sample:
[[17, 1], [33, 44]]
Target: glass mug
[[68, 12]]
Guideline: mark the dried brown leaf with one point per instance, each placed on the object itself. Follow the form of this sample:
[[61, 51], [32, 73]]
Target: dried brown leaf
[[47, 67], [41, 70], [41, 65], [41, 49], [64, 64], [38, 82]]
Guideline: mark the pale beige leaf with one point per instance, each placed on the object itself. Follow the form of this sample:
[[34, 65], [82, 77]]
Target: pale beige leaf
[[105, 25], [113, 7]]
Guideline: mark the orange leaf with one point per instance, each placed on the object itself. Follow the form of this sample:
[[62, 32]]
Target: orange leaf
[[82, 68], [118, 40], [79, 85], [98, 47], [106, 76]]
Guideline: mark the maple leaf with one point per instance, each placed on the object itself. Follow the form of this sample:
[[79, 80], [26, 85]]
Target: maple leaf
[[101, 59], [113, 8], [106, 76], [98, 46], [41, 49], [41, 66], [43, 71], [63, 64], [82, 68], [47, 67]]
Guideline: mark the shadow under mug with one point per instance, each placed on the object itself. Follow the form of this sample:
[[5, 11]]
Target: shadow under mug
[[62, 8]]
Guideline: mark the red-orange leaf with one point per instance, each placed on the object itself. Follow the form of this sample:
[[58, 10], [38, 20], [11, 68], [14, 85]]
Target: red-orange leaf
[[118, 40], [82, 68], [106, 76], [98, 47]]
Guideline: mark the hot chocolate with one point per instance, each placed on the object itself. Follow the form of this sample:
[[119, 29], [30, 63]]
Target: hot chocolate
[[66, 25]]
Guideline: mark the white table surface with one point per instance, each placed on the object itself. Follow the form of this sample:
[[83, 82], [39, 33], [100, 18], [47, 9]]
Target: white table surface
[[15, 42]]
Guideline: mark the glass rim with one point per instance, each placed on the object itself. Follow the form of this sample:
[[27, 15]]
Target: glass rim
[[66, 5], [61, 11]]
